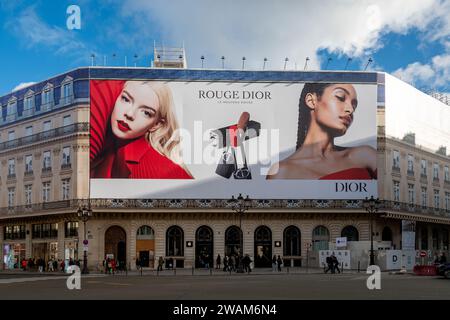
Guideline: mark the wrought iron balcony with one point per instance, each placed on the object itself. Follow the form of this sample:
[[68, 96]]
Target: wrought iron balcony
[[46, 135], [71, 206]]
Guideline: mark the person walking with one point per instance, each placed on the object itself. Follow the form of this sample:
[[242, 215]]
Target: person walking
[[218, 261], [160, 264], [279, 263], [335, 263], [329, 262], [274, 263]]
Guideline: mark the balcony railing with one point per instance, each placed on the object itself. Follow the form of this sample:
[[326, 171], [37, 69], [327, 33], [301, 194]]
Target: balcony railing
[[146, 204], [42, 136], [66, 166]]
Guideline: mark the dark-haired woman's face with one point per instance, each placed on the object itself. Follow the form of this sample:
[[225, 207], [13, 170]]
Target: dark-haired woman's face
[[334, 109]]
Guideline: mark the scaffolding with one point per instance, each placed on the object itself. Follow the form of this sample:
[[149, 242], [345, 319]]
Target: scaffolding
[[169, 57]]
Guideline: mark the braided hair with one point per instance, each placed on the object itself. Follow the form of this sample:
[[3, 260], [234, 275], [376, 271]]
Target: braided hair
[[304, 113]]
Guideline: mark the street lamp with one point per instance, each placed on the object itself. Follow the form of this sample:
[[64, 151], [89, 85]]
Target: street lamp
[[371, 205], [84, 214], [240, 205]]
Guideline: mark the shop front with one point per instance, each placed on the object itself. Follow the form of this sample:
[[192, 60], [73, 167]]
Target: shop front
[[13, 254]]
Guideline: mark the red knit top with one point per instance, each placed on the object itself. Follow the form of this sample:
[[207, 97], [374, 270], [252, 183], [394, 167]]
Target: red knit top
[[135, 159]]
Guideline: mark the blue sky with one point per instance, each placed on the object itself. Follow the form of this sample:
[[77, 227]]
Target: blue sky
[[408, 38]]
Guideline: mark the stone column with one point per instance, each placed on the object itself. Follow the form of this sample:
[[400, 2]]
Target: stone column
[[28, 241], [1, 247], [61, 235]]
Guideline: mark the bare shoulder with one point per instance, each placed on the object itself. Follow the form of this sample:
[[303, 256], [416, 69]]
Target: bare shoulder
[[363, 155], [280, 170]]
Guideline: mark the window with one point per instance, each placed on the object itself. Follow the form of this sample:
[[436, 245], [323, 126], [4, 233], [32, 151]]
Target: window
[[435, 171], [11, 111], [175, 241], [11, 135], [292, 241], [65, 189], [67, 120], [436, 199], [47, 99], [446, 174], [47, 162], [396, 190], [320, 238], [424, 196], [29, 163], [410, 164], [447, 201], [46, 192], [66, 157], [11, 197], [28, 194], [28, 131], [47, 125], [411, 195], [45, 230], [11, 167], [396, 159], [351, 233], [66, 93], [28, 105], [71, 229], [423, 167], [14, 232]]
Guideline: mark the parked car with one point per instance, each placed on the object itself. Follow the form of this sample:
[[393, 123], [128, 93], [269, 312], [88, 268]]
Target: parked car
[[444, 270]]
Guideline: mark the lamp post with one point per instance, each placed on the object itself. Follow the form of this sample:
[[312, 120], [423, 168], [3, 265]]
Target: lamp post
[[240, 205], [371, 205], [84, 213]]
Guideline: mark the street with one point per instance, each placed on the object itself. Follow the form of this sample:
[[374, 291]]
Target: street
[[222, 286]]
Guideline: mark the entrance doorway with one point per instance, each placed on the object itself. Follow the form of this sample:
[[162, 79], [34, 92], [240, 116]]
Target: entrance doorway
[[116, 245], [204, 255], [263, 247], [145, 246], [233, 236]]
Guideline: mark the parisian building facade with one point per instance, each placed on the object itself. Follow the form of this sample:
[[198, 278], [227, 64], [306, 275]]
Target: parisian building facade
[[44, 181]]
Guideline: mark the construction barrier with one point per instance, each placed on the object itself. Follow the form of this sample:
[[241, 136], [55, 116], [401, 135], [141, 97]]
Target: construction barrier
[[425, 270]]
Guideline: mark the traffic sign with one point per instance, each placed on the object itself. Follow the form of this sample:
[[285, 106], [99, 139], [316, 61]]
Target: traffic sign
[[85, 242], [423, 254]]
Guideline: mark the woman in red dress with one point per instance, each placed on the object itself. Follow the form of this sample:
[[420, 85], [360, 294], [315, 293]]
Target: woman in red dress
[[326, 112], [134, 132]]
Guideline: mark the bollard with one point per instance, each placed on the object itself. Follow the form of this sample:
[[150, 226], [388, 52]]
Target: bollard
[[287, 270], [157, 272], [359, 266], [342, 267], [210, 271], [192, 270], [175, 271]]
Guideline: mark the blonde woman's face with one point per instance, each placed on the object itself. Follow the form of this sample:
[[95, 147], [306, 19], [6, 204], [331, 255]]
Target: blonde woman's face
[[335, 108], [136, 111]]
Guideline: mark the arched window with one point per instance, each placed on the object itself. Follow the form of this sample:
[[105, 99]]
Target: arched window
[[204, 234], [386, 235], [320, 238], [175, 239], [291, 241], [351, 233], [233, 240], [263, 234], [145, 233]]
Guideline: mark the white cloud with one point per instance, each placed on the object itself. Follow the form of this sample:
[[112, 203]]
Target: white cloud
[[23, 85], [36, 33], [278, 29], [433, 75]]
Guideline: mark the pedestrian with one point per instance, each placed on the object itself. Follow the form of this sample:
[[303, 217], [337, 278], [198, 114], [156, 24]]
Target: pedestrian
[[335, 263], [279, 263], [218, 261], [138, 264], [329, 262], [160, 263], [206, 260], [274, 263], [225, 263], [443, 258], [24, 264]]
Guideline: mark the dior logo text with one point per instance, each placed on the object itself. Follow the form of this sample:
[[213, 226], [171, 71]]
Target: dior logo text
[[351, 187]]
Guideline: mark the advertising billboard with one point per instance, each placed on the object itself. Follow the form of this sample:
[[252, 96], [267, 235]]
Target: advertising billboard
[[212, 140]]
